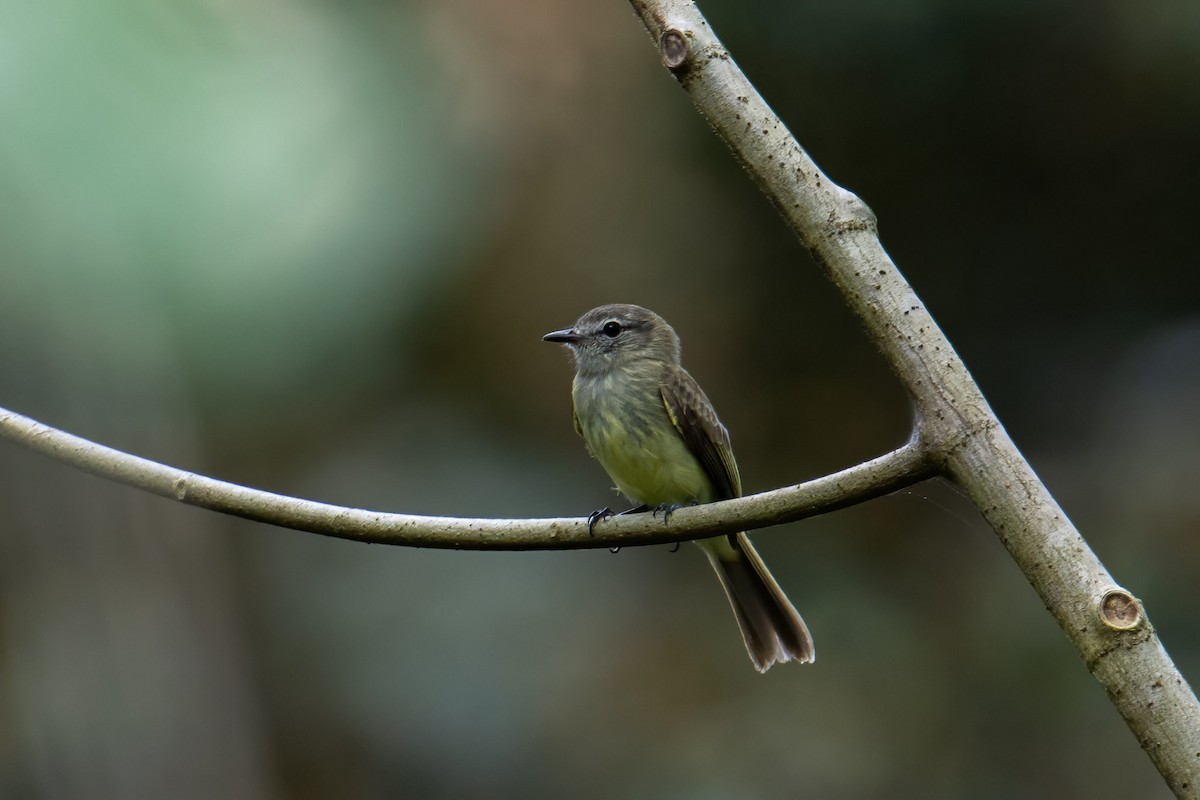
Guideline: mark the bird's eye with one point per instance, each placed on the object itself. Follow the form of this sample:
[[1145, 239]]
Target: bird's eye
[[612, 329]]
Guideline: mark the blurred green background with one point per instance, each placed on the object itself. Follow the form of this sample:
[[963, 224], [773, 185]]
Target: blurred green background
[[311, 247]]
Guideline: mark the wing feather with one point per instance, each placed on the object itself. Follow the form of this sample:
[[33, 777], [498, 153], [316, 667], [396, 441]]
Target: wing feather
[[697, 422]]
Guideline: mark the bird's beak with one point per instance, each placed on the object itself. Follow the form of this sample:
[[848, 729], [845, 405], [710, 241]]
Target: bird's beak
[[565, 336]]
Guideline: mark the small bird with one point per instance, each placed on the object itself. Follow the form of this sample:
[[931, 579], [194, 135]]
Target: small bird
[[648, 423]]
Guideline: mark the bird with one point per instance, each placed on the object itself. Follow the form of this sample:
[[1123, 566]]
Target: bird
[[654, 431]]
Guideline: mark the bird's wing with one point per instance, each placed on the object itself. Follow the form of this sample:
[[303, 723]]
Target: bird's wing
[[696, 421]]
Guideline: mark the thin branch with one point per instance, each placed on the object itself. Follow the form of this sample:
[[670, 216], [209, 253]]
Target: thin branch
[[1107, 625], [881, 476]]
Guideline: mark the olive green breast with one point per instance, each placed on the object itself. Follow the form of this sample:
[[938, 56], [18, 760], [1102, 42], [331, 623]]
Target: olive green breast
[[626, 426]]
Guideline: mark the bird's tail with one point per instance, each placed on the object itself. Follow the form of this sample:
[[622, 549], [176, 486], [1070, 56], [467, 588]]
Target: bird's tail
[[771, 627]]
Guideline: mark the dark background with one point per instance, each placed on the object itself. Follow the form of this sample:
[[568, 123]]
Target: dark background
[[311, 247]]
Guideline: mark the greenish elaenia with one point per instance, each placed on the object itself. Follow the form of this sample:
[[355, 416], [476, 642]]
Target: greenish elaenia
[[648, 423]]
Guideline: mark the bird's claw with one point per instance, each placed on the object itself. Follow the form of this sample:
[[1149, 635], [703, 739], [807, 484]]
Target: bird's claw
[[666, 509], [596, 516], [607, 512]]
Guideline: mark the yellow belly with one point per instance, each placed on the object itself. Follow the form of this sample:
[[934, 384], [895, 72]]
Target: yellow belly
[[644, 454]]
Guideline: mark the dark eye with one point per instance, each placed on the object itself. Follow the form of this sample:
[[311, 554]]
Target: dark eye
[[612, 329]]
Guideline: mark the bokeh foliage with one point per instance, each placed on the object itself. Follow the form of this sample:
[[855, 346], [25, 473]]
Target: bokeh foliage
[[311, 247]]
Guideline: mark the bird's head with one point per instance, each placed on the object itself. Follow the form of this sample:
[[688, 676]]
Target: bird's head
[[618, 336]]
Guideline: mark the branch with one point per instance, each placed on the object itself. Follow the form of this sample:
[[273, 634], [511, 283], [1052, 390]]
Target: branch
[[1107, 625], [895, 470]]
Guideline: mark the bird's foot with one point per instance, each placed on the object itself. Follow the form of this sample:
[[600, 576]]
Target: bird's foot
[[666, 509], [606, 512], [596, 516]]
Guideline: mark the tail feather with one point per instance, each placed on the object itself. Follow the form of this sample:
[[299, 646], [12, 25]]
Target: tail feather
[[771, 627]]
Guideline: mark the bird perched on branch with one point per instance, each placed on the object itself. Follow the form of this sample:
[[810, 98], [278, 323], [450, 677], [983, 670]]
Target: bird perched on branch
[[648, 423]]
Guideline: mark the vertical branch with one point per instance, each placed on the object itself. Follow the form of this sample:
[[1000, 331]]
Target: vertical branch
[[1105, 622]]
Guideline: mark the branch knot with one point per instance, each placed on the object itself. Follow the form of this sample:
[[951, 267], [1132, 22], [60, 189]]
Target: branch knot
[[1120, 610], [673, 45]]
